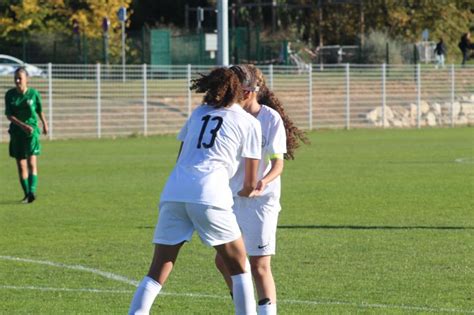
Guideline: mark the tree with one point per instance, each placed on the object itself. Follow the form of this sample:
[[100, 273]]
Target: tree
[[90, 17], [402, 20], [406, 20], [30, 16], [43, 17]]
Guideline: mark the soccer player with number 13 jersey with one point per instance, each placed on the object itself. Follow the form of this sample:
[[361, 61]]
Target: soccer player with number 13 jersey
[[197, 196]]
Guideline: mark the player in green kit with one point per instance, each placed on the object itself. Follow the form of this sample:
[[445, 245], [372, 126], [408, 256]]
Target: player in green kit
[[23, 109]]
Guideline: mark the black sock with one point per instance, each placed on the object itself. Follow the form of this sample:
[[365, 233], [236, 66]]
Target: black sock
[[264, 301]]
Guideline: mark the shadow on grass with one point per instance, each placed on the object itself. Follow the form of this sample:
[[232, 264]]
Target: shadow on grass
[[374, 227]]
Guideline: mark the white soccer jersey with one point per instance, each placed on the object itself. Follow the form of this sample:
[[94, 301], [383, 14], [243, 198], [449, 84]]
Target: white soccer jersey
[[273, 142], [214, 143]]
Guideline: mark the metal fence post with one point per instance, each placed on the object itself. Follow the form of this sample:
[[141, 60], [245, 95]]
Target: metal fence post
[[384, 95], [418, 96], [348, 99], [99, 131], [50, 100], [189, 89], [452, 95], [310, 97], [145, 101], [270, 76]]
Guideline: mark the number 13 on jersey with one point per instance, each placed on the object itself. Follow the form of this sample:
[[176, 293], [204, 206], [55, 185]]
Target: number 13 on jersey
[[212, 130]]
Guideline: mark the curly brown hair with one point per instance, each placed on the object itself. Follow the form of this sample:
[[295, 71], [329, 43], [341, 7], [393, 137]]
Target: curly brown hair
[[222, 87], [253, 78]]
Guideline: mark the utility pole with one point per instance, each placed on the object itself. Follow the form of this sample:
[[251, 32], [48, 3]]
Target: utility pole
[[274, 3], [186, 16], [222, 33], [122, 15], [320, 21], [105, 29], [362, 23], [200, 18]]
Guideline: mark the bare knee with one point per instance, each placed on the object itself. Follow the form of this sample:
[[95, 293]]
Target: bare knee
[[233, 256], [22, 168], [260, 267], [32, 164]]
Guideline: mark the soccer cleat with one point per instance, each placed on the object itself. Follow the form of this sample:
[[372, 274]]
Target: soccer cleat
[[31, 197], [25, 199]]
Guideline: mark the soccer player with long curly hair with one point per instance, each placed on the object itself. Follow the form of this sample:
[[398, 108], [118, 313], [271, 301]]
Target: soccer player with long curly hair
[[258, 216], [217, 138]]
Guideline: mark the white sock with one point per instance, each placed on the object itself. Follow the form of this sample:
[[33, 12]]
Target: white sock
[[244, 300], [247, 266], [267, 309], [144, 296]]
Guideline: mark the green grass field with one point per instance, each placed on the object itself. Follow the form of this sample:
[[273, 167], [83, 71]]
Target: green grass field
[[373, 222]]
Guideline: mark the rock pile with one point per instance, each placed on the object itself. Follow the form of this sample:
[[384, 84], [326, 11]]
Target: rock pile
[[431, 114]]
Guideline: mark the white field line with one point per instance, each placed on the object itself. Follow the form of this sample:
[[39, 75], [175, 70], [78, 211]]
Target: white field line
[[209, 296], [465, 160], [105, 274], [134, 283], [88, 290]]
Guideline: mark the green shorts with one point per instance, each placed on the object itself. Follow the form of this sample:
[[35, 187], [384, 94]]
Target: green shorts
[[22, 146]]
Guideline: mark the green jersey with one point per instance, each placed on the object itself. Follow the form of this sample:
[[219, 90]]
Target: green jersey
[[25, 107]]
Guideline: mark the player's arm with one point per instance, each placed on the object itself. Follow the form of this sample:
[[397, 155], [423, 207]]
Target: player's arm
[[39, 111], [44, 122], [26, 128], [275, 171], [252, 152], [12, 118], [250, 178]]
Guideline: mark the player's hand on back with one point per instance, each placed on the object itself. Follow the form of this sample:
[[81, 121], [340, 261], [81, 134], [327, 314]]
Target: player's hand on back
[[249, 193], [260, 187]]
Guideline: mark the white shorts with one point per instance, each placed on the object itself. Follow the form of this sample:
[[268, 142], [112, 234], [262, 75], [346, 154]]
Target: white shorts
[[178, 220], [258, 222]]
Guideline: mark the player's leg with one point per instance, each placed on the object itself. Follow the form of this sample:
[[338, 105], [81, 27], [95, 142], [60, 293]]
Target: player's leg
[[235, 260], [218, 228], [163, 261], [34, 149], [22, 167], [223, 270], [32, 178], [172, 230], [259, 230], [16, 149], [264, 283], [162, 264], [239, 203]]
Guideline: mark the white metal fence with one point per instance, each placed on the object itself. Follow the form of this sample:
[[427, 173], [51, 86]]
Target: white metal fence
[[101, 101]]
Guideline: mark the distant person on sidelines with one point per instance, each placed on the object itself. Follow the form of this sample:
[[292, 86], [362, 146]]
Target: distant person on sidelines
[[440, 51], [465, 44], [258, 216], [23, 108], [197, 195]]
